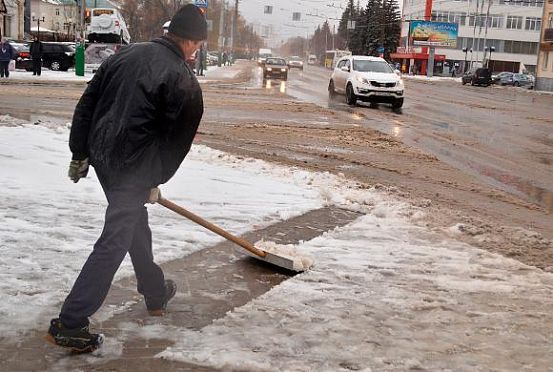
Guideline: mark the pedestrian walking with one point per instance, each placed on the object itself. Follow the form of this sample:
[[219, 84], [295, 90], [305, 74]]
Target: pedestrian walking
[[201, 58], [7, 53], [225, 58], [134, 124], [36, 56]]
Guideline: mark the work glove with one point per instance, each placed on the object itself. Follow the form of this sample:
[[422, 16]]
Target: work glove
[[155, 194], [78, 169]]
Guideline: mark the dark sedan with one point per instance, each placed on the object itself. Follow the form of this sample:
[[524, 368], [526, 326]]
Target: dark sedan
[[55, 56], [479, 76], [275, 68]]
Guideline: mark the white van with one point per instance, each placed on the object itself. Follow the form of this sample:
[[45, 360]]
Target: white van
[[107, 26]]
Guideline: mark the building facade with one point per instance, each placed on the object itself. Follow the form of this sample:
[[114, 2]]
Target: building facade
[[11, 18], [511, 27], [58, 19], [544, 70]]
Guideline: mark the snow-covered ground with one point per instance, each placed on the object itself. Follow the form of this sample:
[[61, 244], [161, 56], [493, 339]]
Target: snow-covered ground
[[383, 294], [433, 78], [48, 75]]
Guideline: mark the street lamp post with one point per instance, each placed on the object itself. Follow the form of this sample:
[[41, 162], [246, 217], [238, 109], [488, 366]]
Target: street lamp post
[[38, 20], [491, 49], [466, 50]]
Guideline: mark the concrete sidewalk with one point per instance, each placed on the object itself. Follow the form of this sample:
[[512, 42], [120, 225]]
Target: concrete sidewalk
[[211, 282]]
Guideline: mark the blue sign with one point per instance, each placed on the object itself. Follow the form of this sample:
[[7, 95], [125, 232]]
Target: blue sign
[[200, 3]]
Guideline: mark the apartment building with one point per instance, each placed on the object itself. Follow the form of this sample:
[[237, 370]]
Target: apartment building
[[544, 70], [511, 27]]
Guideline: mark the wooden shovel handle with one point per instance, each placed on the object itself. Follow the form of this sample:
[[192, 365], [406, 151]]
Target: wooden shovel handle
[[208, 225]]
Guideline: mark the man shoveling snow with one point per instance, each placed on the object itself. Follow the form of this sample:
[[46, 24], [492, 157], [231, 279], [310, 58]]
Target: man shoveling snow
[[135, 124]]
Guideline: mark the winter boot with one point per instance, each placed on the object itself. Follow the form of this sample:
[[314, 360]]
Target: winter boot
[[158, 306], [78, 340]]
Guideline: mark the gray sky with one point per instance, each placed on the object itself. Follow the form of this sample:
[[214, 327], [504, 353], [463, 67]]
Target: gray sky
[[312, 14]]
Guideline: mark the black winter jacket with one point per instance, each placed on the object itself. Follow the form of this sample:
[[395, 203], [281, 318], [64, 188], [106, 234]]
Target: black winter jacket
[[138, 116]]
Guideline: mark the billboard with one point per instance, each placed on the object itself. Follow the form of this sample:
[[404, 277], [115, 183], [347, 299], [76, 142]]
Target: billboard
[[438, 34]]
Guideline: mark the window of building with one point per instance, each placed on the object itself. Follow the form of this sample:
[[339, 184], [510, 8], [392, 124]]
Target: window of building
[[533, 23], [514, 22], [268, 9], [545, 60], [296, 16], [457, 17], [439, 16], [495, 21], [550, 21], [522, 2], [7, 25], [57, 11]]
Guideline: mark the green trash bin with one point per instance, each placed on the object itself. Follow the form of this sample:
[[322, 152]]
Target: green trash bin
[[79, 60]]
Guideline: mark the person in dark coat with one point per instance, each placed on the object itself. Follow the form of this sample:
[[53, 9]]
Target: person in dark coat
[[134, 124], [7, 53], [36, 56]]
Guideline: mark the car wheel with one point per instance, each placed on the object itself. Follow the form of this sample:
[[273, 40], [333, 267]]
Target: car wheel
[[516, 84], [471, 82], [351, 98], [397, 103], [55, 65], [463, 82]]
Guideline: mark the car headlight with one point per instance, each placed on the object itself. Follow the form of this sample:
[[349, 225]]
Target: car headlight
[[282, 69], [363, 80], [400, 83], [269, 69]]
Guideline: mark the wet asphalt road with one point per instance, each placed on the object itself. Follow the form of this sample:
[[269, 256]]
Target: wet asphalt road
[[501, 135]]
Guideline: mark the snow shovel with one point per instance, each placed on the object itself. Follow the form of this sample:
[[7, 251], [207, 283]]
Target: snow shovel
[[287, 262]]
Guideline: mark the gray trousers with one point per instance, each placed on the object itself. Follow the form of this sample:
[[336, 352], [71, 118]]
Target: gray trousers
[[125, 230]]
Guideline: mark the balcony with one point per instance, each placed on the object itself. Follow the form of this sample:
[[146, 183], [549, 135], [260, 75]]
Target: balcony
[[548, 35]]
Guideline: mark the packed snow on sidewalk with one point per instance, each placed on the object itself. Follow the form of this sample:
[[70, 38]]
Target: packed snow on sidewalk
[[384, 294], [49, 75]]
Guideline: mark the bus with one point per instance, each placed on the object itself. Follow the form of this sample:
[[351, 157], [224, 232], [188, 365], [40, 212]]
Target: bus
[[332, 56]]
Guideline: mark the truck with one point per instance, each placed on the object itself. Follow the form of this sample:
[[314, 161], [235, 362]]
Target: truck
[[263, 54]]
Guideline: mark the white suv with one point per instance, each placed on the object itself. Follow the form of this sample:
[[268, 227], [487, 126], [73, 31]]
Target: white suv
[[107, 26], [365, 78]]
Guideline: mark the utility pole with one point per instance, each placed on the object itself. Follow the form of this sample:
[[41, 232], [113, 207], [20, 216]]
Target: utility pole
[[221, 26], [486, 33], [234, 26]]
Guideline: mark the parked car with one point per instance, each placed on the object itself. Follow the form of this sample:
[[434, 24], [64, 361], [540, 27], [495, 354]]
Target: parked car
[[295, 62], [23, 53], [275, 68], [496, 78], [478, 76], [517, 80], [55, 56], [369, 79], [212, 58]]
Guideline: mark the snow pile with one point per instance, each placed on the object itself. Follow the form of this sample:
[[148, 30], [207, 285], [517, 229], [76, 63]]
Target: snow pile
[[301, 260]]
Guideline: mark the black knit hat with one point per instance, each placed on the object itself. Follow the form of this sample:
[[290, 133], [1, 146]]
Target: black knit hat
[[189, 23]]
